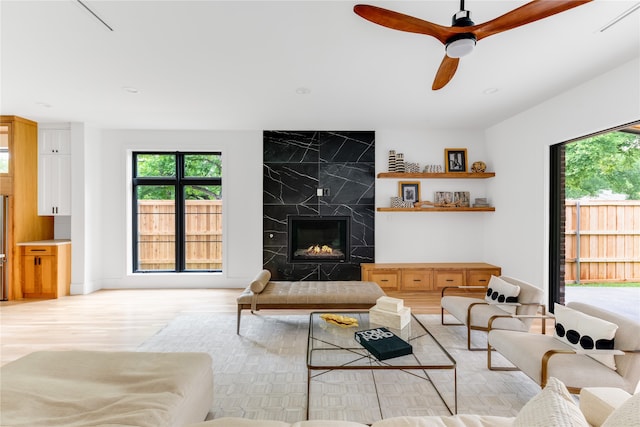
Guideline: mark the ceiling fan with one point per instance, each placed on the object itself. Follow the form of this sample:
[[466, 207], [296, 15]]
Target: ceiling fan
[[461, 37]]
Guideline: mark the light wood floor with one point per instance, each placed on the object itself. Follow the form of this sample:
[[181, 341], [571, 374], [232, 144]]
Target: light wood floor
[[120, 320]]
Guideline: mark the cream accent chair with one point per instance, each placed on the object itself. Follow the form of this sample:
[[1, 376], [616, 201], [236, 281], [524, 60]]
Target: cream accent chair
[[544, 356], [475, 312]]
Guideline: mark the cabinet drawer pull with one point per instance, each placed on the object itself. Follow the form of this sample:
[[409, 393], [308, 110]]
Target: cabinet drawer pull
[[384, 280], [37, 250], [482, 280], [417, 280], [449, 280]]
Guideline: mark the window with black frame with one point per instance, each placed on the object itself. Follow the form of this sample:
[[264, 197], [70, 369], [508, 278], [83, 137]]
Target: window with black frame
[[177, 212]]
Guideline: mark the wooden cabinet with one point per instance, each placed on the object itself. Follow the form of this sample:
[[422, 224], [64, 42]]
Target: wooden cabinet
[[445, 175], [428, 276], [46, 269], [385, 278], [481, 277], [54, 172], [20, 184], [449, 278], [416, 279]]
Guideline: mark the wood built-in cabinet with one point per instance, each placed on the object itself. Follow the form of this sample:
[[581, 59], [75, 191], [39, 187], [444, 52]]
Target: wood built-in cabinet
[[54, 171], [428, 175], [428, 276], [46, 268], [20, 184]]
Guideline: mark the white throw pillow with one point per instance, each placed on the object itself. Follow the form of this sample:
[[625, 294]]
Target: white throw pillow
[[582, 331], [501, 291], [553, 406], [628, 414]]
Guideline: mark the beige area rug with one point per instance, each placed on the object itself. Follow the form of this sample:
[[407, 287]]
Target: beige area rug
[[262, 373]]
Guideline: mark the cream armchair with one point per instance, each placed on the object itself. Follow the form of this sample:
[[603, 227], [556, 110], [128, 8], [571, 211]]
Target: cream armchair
[[475, 312], [543, 356]]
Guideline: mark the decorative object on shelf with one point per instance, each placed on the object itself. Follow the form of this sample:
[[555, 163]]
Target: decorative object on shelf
[[433, 169], [409, 191], [455, 159], [478, 167], [392, 160], [412, 167], [481, 202], [397, 202], [423, 204], [399, 162], [443, 198], [461, 199]]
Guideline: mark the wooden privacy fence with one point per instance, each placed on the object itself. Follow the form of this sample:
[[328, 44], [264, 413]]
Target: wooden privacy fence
[[602, 241], [156, 235]]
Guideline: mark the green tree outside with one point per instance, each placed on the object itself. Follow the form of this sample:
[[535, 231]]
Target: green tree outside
[[609, 161], [195, 166]]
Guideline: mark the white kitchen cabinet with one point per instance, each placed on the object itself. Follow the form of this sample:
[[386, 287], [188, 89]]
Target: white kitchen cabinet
[[54, 172], [54, 141]]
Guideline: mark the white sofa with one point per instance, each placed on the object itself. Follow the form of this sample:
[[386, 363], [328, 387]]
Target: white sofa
[[552, 407], [99, 388]]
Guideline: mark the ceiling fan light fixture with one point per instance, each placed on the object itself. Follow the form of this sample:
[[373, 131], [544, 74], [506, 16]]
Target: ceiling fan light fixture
[[460, 45], [462, 18]]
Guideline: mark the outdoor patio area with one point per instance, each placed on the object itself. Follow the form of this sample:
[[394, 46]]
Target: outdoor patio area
[[625, 301]]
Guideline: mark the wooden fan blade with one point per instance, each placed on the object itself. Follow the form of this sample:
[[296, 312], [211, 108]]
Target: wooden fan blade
[[530, 12], [401, 22], [445, 73]]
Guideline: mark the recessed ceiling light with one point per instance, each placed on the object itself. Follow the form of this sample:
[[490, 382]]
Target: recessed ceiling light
[[130, 89], [303, 91], [44, 104], [490, 91]]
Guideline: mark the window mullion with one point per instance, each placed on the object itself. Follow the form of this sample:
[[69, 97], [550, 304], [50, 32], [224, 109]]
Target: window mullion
[[180, 219]]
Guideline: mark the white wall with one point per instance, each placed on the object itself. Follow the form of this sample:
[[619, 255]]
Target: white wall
[[514, 237], [519, 148], [430, 236], [242, 208]]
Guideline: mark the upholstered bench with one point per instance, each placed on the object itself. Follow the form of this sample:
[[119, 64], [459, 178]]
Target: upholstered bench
[[99, 388], [263, 294]]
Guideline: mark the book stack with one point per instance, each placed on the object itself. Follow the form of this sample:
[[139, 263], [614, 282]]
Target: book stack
[[383, 344], [481, 202], [390, 312]]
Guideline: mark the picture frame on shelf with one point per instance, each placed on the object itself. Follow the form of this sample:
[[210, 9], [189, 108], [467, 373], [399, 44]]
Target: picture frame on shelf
[[462, 199], [409, 191], [443, 198], [455, 159]]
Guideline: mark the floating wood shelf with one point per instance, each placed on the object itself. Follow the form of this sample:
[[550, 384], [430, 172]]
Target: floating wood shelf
[[438, 209], [443, 175]]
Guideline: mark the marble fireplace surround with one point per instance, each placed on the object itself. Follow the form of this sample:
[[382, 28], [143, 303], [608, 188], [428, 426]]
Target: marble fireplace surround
[[296, 165]]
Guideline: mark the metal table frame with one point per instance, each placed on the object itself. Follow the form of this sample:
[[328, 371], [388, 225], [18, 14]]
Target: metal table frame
[[363, 360]]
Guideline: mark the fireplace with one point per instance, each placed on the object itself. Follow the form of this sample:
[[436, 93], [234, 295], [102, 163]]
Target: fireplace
[[314, 239]]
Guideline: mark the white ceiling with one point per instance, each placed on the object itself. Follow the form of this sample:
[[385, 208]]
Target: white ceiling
[[238, 64]]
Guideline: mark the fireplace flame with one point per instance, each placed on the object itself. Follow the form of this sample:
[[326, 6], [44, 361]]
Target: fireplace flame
[[317, 249]]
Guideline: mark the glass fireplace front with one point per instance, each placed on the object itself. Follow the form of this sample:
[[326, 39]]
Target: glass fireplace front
[[318, 238]]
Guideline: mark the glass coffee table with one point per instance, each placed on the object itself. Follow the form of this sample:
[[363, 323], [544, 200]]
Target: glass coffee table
[[332, 348]]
